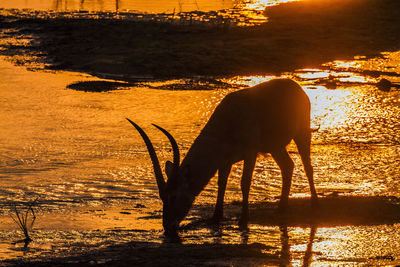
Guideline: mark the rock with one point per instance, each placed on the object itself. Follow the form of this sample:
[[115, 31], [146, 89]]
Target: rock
[[384, 85]]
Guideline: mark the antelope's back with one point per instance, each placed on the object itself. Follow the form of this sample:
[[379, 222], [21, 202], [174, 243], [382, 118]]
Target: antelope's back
[[262, 117]]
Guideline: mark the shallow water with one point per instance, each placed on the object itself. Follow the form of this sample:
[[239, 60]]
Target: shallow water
[[156, 6], [241, 13], [77, 153]]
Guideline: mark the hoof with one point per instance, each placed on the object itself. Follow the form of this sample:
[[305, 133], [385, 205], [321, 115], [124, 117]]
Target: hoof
[[243, 225], [172, 237]]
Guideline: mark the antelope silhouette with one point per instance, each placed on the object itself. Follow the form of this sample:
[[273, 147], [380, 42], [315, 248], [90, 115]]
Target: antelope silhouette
[[260, 119]]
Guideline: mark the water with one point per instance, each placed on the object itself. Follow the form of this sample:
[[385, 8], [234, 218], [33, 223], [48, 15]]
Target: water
[[238, 12], [77, 153], [242, 13], [157, 6], [90, 171]]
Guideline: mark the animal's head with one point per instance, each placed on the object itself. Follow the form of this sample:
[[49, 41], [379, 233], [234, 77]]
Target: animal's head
[[175, 192]]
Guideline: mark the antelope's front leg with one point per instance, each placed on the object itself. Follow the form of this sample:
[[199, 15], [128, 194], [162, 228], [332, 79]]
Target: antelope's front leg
[[248, 167], [223, 174]]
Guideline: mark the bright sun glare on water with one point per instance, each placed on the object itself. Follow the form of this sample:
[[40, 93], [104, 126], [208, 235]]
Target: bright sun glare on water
[[260, 5]]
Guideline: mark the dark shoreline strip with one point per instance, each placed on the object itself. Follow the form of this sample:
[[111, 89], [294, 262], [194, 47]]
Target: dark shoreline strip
[[298, 35]]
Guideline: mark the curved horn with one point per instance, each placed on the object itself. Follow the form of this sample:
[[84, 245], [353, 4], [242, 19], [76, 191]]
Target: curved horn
[[174, 145], [154, 160]]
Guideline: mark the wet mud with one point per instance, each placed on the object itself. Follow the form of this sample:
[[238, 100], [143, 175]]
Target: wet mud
[[151, 254], [333, 211]]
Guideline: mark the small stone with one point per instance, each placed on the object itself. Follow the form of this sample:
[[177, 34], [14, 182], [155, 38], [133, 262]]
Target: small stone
[[384, 85]]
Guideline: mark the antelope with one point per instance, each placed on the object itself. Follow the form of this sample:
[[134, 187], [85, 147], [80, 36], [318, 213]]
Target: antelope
[[260, 119]]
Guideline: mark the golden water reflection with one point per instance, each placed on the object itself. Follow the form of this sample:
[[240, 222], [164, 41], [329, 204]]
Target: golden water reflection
[[214, 12], [76, 150], [260, 5], [155, 6]]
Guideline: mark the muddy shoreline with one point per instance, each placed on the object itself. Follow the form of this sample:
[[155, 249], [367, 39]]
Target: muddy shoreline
[[334, 210], [151, 254], [297, 35]]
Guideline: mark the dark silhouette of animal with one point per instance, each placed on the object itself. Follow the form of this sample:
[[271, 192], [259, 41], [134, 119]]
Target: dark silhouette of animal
[[261, 119]]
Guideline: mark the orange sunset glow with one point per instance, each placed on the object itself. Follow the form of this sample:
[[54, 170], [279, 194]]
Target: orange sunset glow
[[199, 133]]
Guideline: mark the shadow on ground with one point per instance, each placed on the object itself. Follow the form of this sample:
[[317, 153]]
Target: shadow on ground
[[98, 86], [332, 211]]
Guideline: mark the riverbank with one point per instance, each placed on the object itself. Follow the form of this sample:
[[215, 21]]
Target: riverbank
[[334, 211], [297, 35]]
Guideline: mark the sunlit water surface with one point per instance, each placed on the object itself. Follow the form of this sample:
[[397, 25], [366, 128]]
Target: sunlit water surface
[[155, 6], [90, 169], [238, 12]]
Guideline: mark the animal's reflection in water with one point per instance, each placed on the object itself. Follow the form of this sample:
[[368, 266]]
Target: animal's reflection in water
[[286, 256]]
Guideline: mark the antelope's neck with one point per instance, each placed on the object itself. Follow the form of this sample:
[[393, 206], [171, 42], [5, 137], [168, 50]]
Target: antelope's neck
[[204, 158]]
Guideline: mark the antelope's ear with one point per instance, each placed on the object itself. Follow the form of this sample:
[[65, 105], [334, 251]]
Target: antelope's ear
[[169, 168]]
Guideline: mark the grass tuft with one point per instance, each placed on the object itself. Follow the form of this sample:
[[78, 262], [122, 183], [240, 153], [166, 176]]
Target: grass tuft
[[25, 219]]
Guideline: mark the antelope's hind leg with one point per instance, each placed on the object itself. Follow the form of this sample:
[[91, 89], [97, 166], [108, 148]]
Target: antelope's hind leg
[[286, 165], [223, 174], [303, 143]]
